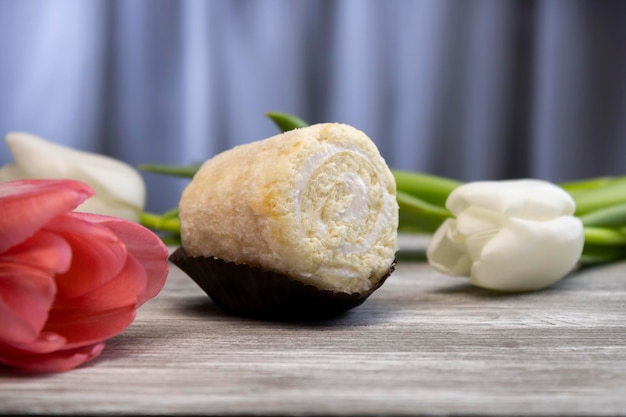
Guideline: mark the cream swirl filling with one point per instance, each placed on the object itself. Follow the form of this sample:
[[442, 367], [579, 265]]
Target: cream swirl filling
[[342, 202]]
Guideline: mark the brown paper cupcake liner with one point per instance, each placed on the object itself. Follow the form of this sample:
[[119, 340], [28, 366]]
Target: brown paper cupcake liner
[[252, 292]]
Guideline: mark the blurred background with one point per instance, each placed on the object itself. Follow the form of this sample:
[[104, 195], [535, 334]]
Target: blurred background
[[477, 89]]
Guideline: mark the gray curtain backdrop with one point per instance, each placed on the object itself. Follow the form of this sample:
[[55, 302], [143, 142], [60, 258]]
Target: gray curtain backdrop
[[473, 90]]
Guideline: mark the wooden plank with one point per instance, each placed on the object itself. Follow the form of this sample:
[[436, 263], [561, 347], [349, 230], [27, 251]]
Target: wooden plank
[[423, 344]]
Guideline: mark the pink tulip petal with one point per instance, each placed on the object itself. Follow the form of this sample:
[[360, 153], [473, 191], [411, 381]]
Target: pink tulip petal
[[80, 327], [45, 251], [26, 295], [121, 291], [98, 255], [144, 245], [27, 205], [46, 342], [58, 361]]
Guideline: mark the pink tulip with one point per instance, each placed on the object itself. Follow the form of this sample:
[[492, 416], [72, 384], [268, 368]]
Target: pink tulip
[[68, 280]]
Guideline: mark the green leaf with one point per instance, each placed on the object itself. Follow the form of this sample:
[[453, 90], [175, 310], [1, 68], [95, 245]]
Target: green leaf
[[173, 213], [600, 254], [418, 214], [604, 236], [585, 185], [610, 216], [611, 193], [187, 171], [430, 188], [171, 240], [160, 223], [286, 122]]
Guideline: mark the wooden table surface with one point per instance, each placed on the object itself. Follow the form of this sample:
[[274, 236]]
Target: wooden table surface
[[423, 344]]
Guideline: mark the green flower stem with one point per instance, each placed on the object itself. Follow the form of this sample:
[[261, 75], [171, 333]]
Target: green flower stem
[[606, 217], [604, 236], [174, 171], [419, 215], [574, 187], [430, 188], [173, 240], [286, 122], [611, 193], [171, 213], [599, 254], [159, 222]]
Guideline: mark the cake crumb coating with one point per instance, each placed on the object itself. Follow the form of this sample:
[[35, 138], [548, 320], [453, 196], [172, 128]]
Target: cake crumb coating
[[316, 204]]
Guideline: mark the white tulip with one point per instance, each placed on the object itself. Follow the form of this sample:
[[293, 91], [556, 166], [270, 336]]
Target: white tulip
[[120, 189], [518, 235]]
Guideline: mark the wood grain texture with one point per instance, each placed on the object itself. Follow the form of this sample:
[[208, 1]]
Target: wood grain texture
[[423, 344]]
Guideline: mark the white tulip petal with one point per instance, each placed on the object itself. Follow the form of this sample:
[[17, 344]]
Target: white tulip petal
[[520, 235], [446, 251], [115, 209], [527, 255], [11, 172], [525, 198], [478, 226], [120, 189]]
